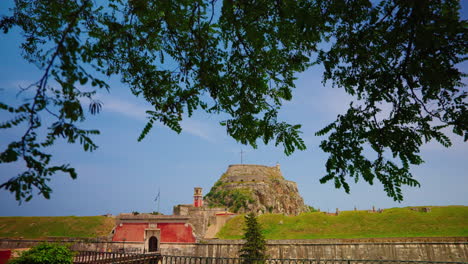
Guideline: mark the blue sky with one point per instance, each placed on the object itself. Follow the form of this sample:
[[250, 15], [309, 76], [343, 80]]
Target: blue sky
[[124, 175]]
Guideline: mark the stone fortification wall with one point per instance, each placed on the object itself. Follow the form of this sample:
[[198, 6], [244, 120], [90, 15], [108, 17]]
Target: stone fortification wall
[[246, 178], [182, 209], [248, 172], [377, 249], [149, 218], [219, 222], [422, 249], [77, 245], [199, 217]]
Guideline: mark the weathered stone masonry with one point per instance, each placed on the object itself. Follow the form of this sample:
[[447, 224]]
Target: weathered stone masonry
[[430, 249], [422, 249]]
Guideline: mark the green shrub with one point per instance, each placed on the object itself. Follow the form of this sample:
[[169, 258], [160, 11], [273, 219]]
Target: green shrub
[[156, 213], [235, 199], [45, 253]]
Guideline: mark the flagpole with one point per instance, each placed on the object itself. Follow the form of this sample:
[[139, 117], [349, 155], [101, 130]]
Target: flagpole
[[158, 198]]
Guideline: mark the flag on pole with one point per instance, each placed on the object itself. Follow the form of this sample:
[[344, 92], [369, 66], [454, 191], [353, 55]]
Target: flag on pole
[[157, 196]]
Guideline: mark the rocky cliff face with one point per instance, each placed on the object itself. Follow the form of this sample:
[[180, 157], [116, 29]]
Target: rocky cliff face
[[256, 188]]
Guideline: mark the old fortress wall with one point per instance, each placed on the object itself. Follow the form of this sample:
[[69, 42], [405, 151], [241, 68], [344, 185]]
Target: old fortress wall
[[415, 249], [248, 173]]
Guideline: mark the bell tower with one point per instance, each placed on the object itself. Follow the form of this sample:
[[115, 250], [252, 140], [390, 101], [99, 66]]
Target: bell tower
[[198, 197]]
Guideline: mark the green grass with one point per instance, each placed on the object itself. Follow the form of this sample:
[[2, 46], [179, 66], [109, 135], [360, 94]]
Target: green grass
[[446, 221], [62, 226]]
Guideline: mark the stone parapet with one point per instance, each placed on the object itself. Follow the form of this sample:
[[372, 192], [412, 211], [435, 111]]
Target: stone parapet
[[250, 172], [409, 249], [151, 219]]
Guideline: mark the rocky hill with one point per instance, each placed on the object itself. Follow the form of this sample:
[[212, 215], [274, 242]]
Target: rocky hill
[[256, 188]]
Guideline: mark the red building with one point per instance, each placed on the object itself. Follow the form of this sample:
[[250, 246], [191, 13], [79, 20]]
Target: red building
[[150, 230], [146, 231], [5, 255]]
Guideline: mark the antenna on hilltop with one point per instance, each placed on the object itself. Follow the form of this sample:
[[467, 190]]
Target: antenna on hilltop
[[241, 154]]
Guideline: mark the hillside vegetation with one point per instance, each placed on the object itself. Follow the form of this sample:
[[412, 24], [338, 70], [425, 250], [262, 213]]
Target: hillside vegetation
[[447, 221], [61, 226]]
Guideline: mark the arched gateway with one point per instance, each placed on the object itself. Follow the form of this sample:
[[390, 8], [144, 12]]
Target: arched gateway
[[153, 244]]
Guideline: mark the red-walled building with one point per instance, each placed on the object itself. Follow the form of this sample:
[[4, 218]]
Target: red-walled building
[[153, 229], [149, 230], [5, 255], [146, 231]]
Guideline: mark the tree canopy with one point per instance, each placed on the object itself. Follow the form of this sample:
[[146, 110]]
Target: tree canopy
[[398, 58], [45, 253]]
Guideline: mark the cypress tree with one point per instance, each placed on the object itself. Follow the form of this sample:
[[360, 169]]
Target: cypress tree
[[253, 250]]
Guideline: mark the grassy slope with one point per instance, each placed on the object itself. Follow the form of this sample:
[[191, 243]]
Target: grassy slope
[[448, 221], [62, 226]]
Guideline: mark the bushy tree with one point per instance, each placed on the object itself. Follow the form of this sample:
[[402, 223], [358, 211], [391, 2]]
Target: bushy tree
[[311, 209], [45, 253], [253, 250], [398, 58]]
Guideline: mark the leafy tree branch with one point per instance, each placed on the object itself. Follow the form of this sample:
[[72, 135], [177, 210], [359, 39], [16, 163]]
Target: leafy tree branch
[[241, 59]]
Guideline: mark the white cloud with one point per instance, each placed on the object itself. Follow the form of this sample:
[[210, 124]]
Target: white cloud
[[329, 102], [324, 100], [131, 110], [200, 129], [197, 128]]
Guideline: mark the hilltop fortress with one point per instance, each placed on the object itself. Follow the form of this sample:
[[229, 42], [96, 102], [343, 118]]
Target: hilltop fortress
[[242, 188], [256, 188]]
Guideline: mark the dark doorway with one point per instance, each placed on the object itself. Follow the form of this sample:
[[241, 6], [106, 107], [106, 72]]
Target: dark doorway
[[153, 244]]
